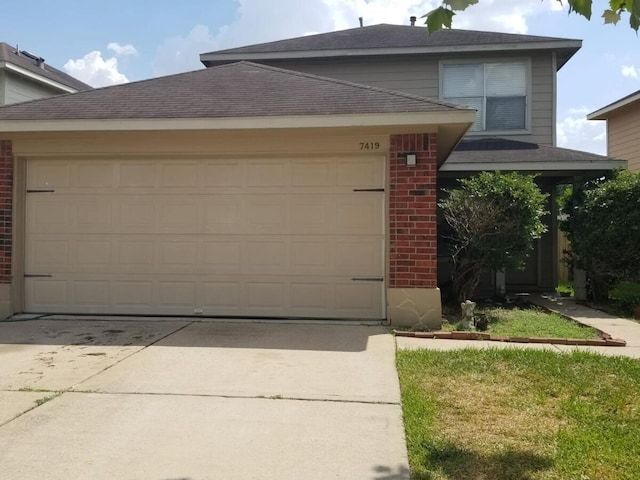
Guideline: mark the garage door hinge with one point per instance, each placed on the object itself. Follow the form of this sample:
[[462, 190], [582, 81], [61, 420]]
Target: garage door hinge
[[37, 275], [48, 190], [367, 279], [368, 189]]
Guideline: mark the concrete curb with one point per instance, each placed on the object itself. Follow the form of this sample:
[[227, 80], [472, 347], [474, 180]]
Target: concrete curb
[[606, 341]]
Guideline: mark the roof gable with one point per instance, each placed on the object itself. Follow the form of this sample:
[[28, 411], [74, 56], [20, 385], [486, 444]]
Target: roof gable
[[11, 55], [604, 112], [391, 39], [242, 89]]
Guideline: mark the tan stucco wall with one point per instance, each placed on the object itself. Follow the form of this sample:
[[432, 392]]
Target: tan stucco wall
[[194, 142]]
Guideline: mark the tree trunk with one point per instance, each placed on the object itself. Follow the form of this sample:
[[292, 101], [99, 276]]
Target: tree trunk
[[465, 278]]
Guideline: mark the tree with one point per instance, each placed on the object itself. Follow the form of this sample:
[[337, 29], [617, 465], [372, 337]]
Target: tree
[[495, 219], [602, 223], [443, 15]]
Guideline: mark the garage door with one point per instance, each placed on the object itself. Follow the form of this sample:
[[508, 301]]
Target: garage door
[[284, 237]]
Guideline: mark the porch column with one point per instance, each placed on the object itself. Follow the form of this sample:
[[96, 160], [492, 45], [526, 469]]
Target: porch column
[[413, 297]]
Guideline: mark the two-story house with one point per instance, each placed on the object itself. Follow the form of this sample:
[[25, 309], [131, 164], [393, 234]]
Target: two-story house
[[510, 80], [623, 128], [302, 183], [25, 76]]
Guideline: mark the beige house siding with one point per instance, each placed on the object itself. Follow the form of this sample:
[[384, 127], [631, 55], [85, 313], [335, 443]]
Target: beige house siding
[[623, 135], [419, 76], [401, 74], [18, 89]]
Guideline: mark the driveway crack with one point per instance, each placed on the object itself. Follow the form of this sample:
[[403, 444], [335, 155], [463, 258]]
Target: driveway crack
[[159, 339]]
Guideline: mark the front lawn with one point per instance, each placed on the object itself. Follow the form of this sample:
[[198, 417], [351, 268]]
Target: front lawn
[[524, 322], [517, 414]]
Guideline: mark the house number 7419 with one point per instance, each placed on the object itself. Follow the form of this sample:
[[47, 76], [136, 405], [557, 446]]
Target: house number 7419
[[369, 145]]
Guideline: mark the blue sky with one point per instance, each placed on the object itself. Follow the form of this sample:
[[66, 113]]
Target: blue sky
[[112, 42]]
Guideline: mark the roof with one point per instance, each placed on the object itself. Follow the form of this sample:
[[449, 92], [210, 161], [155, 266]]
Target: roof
[[387, 39], [605, 112], [241, 96], [242, 89], [24, 64], [504, 154]]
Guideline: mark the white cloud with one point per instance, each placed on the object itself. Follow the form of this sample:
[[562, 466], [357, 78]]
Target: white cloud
[[256, 21], [259, 21], [629, 71], [503, 15], [576, 132], [122, 50], [95, 70]]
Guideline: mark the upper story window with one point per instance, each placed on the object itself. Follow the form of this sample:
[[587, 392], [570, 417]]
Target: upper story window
[[498, 91]]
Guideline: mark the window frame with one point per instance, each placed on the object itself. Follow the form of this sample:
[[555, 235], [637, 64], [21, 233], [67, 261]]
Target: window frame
[[483, 61]]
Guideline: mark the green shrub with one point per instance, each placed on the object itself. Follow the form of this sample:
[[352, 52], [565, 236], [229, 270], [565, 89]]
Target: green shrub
[[603, 226], [495, 220], [626, 294]]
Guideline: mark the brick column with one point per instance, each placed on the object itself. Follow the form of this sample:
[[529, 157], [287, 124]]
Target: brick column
[[412, 295], [6, 210], [412, 212]]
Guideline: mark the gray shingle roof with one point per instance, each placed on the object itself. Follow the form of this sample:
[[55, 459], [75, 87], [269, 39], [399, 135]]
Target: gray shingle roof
[[242, 89], [500, 150], [387, 36], [393, 40], [8, 54]]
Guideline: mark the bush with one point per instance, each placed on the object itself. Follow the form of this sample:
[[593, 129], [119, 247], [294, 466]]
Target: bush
[[626, 294], [495, 219], [603, 227]]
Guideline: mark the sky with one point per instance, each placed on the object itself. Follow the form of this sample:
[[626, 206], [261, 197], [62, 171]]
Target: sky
[[106, 43]]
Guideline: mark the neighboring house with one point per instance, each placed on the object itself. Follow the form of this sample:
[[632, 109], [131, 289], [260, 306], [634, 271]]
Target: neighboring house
[[623, 128], [510, 80], [24, 76], [239, 190]]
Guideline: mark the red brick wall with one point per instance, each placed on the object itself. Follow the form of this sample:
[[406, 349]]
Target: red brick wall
[[412, 212], [6, 210]]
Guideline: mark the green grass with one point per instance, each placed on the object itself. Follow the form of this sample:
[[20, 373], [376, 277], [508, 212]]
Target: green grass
[[517, 414], [528, 322], [535, 323]]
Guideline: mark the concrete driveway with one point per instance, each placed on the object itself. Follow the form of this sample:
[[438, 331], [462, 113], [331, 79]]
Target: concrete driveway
[[155, 399]]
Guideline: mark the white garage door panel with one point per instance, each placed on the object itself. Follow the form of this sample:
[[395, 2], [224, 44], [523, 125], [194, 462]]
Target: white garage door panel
[[59, 212], [232, 295], [357, 255], [259, 237], [245, 176]]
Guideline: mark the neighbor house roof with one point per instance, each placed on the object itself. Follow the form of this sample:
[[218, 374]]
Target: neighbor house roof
[[387, 39], [502, 154], [29, 65], [604, 112]]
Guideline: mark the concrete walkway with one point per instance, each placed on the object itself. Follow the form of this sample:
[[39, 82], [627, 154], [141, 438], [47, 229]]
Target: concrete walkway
[[627, 330], [106, 399]]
